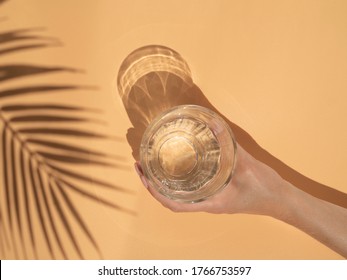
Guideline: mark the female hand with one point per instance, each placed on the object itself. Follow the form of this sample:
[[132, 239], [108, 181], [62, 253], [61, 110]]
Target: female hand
[[255, 188]]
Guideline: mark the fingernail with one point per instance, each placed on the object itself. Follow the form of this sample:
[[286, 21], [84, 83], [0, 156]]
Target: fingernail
[[138, 169], [140, 173]]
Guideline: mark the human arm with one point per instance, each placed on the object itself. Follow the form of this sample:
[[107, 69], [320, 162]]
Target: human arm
[[258, 189], [323, 220]]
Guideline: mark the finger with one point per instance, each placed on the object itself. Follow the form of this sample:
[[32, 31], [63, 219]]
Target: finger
[[175, 206], [140, 173], [178, 206]]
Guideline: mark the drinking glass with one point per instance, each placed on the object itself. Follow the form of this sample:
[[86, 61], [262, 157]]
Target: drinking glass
[[188, 153]]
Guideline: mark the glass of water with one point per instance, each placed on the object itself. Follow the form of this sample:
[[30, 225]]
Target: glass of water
[[188, 153]]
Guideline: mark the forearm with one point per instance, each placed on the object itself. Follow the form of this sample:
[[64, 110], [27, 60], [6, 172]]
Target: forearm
[[258, 189], [322, 220]]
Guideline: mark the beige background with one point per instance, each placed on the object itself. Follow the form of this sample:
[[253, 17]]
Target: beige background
[[276, 68]]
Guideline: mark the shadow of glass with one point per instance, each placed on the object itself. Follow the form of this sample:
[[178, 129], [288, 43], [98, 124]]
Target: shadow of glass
[[150, 89]]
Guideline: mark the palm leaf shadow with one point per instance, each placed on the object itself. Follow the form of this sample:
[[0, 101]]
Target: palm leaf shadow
[[39, 174]]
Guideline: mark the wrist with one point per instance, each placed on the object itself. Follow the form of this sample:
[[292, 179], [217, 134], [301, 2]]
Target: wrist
[[285, 200], [291, 200]]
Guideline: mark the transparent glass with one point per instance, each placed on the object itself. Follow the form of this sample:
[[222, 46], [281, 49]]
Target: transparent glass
[[188, 153]]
